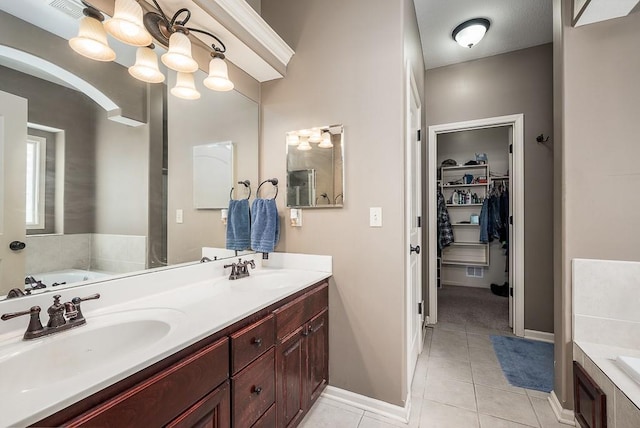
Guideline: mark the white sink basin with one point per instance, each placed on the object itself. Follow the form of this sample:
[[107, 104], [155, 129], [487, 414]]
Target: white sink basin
[[105, 339], [630, 366]]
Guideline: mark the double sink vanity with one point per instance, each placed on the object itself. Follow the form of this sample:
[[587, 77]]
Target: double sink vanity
[[184, 346]]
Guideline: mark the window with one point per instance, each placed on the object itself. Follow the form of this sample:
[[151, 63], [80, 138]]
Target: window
[[36, 161]]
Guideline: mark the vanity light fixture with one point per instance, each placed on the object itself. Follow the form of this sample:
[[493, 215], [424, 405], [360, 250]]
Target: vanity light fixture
[[292, 138], [326, 141], [469, 33], [185, 87], [316, 135], [91, 40], [131, 26], [304, 144]]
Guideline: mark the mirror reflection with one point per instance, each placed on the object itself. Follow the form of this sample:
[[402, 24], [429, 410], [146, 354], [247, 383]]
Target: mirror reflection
[[315, 167], [103, 185]]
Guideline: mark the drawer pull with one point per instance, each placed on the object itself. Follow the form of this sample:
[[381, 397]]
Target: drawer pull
[[257, 390], [256, 341]]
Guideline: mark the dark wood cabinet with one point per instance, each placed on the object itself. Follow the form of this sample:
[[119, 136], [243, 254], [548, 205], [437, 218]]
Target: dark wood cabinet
[[590, 400], [302, 355], [213, 411], [263, 371]]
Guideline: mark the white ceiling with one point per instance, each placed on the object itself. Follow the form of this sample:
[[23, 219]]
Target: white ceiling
[[515, 24]]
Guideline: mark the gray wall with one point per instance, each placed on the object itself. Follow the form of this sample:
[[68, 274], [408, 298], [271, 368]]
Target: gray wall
[[516, 82], [598, 93], [216, 117], [348, 69], [76, 116]]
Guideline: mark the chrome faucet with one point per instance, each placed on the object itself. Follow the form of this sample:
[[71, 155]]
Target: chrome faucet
[[240, 269], [62, 316]]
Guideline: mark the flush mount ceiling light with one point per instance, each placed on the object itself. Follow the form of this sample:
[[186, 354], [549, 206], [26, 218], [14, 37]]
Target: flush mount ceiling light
[[129, 25], [470, 32]]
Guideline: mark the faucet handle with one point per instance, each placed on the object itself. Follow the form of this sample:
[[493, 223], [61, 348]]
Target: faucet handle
[[76, 302], [35, 326]]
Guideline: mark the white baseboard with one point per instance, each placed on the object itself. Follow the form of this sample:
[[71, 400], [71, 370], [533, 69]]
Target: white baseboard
[[369, 404], [542, 336], [563, 415]]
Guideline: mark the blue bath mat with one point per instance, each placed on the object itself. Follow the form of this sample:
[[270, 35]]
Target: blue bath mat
[[525, 363]]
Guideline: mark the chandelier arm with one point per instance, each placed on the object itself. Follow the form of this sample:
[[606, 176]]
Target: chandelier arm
[[174, 20], [215, 48], [164, 15]]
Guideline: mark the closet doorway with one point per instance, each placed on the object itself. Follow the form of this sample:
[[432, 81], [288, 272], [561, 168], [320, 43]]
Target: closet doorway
[[464, 267]]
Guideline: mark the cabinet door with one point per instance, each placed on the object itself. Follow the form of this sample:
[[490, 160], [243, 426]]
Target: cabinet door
[[213, 411], [318, 354], [291, 378]]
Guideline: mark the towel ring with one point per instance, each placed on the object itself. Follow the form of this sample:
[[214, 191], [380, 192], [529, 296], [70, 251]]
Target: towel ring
[[273, 181], [246, 184]]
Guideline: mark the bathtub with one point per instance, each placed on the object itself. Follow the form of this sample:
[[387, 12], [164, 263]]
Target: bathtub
[[69, 276]]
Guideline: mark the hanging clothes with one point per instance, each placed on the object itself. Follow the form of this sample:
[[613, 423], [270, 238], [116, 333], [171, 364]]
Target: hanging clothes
[[445, 231], [494, 216]]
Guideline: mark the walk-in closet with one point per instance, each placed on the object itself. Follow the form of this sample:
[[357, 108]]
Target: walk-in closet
[[473, 216]]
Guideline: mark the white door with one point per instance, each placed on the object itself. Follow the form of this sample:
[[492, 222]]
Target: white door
[[414, 238], [13, 148]]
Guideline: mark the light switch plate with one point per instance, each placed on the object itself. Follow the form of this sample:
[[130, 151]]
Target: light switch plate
[[375, 217], [179, 216]]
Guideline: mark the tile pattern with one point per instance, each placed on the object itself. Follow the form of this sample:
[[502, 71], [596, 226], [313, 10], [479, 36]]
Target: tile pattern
[[457, 383]]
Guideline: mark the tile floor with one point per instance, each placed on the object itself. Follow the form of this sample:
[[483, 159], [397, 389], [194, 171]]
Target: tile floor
[[458, 383]]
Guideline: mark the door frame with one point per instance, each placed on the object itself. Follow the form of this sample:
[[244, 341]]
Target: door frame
[[516, 248], [411, 307]]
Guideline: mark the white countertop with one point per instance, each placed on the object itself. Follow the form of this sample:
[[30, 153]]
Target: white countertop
[[604, 357], [204, 305]]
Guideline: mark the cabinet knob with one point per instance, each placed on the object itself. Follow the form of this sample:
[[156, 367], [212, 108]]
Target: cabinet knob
[[256, 341], [257, 390], [305, 333]]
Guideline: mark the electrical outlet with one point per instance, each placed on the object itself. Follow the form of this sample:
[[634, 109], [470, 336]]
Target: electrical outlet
[[179, 216], [375, 217]]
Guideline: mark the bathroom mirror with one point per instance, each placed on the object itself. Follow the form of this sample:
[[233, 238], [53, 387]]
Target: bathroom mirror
[[118, 183], [315, 167]]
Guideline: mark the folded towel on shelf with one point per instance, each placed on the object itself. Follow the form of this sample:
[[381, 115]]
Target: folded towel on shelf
[[265, 225], [238, 225]]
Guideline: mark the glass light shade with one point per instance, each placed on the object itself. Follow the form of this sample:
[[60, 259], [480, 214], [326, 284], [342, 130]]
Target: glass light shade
[[306, 133], [126, 24], [178, 57], [218, 78], [470, 35], [91, 41], [146, 66], [326, 141], [292, 139], [316, 135], [304, 144], [185, 87]]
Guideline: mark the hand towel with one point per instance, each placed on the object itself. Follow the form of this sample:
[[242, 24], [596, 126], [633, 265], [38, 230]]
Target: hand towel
[[238, 225], [265, 225]]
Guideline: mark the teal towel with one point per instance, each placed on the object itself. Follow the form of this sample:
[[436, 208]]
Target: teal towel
[[238, 225], [265, 225]]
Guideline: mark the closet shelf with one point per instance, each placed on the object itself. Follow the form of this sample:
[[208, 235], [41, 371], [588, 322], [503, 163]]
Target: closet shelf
[[464, 205], [468, 244], [464, 167], [464, 185], [465, 224], [464, 263]]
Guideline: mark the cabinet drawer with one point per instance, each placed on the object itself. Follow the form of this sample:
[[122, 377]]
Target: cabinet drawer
[[268, 420], [214, 410], [177, 388], [253, 390], [251, 342], [292, 315]]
